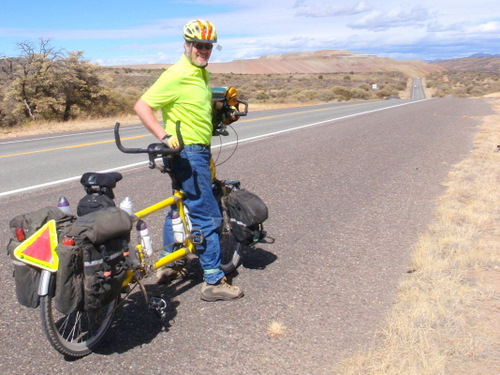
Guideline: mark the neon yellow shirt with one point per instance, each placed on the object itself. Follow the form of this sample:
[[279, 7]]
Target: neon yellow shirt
[[182, 93]]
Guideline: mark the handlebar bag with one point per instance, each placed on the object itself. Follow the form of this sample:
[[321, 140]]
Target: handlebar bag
[[247, 212], [26, 276]]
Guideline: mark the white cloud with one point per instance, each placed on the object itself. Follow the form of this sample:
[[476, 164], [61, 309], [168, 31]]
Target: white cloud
[[326, 9], [378, 20], [486, 28]]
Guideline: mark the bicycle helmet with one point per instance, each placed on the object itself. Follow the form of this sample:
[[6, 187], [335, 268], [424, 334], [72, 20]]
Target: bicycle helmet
[[200, 31]]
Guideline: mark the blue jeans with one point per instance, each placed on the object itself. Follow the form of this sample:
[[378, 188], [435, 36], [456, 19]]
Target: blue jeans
[[192, 168]]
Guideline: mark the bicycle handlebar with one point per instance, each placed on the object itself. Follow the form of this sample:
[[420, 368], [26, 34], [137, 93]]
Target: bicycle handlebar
[[245, 111], [154, 150]]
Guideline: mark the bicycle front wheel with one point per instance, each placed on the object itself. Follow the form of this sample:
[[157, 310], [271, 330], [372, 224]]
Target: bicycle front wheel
[[76, 334]]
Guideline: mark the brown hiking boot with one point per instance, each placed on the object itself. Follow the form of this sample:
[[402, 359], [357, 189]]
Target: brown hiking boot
[[167, 274], [222, 291]]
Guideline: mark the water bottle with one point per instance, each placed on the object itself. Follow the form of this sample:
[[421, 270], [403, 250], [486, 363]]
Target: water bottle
[[146, 241], [63, 205], [177, 227], [188, 220], [126, 205]]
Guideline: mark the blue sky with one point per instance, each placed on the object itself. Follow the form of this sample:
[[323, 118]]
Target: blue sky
[[121, 32]]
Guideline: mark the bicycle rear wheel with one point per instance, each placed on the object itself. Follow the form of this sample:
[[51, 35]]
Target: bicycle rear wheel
[[76, 334]]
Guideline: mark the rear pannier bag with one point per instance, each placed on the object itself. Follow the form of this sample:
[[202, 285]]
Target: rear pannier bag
[[247, 212], [91, 273], [104, 269], [26, 276], [69, 279]]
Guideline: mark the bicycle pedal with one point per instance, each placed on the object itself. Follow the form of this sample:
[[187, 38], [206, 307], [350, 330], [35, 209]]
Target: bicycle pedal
[[159, 306], [196, 236]]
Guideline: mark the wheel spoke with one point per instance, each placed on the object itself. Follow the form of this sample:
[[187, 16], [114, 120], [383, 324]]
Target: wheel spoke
[[78, 333]]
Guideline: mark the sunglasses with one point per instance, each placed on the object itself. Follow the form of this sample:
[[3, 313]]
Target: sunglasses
[[202, 46]]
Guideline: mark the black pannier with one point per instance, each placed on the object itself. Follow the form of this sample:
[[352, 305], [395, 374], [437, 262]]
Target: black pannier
[[91, 272], [26, 276], [247, 212]]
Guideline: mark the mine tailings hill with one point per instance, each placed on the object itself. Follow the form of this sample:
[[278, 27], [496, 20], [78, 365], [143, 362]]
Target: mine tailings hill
[[329, 61], [472, 64]]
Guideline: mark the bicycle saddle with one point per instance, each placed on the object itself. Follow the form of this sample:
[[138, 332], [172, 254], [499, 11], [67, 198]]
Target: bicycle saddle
[[107, 180]]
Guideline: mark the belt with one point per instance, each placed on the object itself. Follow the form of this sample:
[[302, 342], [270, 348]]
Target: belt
[[198, 144]]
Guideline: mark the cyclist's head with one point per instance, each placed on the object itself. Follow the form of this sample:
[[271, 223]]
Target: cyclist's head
[[200, 31], [200, 37]]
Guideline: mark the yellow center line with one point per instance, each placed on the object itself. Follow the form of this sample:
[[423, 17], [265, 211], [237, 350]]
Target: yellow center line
[[67, 147], [146, 135]]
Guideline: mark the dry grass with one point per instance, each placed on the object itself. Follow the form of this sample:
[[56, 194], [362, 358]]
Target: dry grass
[[276, 329], [41, 128], [446, 317]]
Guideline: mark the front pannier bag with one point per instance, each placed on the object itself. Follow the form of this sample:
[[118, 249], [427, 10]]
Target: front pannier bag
[[247, 212]]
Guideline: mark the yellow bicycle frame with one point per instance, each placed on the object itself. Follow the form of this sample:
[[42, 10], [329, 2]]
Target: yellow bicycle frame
[[176, 199]]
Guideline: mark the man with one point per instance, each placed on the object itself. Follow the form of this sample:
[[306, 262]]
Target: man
[[182, 93]]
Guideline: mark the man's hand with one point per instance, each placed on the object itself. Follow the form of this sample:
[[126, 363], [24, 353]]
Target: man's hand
[[171, 141]]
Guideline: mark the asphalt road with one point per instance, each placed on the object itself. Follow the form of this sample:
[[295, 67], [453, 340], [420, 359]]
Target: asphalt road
[[37, 162], [347, 200]]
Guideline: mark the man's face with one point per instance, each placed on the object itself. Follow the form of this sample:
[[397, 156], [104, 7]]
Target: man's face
[[199, 53]]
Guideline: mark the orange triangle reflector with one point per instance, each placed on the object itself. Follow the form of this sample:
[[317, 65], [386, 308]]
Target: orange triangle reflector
[[39, 250]]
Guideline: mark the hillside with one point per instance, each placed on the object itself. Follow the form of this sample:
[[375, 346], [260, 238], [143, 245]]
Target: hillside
[[471, 64], [327, 61]]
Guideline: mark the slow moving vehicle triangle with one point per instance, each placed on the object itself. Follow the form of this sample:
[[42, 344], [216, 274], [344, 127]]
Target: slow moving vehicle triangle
[[39, 249]]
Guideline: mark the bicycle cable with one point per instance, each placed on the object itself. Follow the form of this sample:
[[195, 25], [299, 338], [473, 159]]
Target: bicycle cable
[[220, 148]]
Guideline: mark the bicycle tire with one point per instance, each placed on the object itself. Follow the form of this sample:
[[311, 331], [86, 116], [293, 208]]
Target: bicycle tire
[[230, 252], [229, 247], [79, 333]]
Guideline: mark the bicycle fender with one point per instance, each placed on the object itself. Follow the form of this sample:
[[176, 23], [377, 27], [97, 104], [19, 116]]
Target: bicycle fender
[[43, 286]]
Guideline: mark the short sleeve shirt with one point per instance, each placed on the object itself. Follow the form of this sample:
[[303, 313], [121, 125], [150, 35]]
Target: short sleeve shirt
[[182, 93]]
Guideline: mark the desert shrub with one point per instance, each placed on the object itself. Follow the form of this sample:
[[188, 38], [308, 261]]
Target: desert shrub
[[383, 94], [48, 84], [463, 84], [262, 95], [342, 93], [360, 94], [306, 96]]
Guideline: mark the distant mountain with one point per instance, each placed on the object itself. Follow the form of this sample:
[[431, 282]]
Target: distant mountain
[[484, 55], [327, 61], [478, 62]]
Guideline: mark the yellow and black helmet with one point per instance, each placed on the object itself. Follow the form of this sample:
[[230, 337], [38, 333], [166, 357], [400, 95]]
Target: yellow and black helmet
[[200, 31]]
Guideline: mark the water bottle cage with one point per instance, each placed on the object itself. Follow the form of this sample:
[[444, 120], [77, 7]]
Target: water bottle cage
[[196, 236]]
